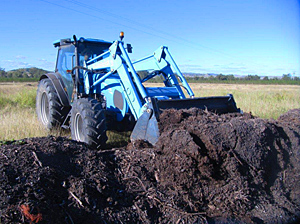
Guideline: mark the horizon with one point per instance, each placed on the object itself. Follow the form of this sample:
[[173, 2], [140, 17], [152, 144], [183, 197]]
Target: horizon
[[249, 38], [186, 73]]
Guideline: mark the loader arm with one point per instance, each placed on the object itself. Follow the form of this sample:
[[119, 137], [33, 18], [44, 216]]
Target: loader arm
[[162, 60], [117, 61]]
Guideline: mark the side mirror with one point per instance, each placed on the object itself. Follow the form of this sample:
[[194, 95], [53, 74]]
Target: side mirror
[[129, 48]]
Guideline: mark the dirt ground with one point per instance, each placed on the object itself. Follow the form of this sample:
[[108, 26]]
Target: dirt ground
[[205, 168]]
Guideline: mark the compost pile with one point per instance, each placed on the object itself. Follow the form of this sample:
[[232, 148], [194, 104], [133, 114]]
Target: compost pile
[[206, 168]]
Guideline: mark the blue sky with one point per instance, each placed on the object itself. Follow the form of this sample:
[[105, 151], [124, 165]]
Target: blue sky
[[230, 37]]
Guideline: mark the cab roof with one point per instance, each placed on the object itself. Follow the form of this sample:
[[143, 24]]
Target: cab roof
[[68, 41]]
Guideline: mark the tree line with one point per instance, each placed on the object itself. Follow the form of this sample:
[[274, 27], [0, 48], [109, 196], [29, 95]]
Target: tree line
[[33, 74], [249, 79], [231, 79], [22, 74]]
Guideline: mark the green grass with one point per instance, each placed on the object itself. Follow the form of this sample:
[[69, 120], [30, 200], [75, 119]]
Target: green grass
[[22, 99], [17, 95], [117, 139], [4, 79]]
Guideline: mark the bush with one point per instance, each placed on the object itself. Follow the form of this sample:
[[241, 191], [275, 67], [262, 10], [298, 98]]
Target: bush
[[25, 98], [22, 99]]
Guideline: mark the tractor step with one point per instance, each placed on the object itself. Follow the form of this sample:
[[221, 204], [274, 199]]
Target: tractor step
[[66, 123]]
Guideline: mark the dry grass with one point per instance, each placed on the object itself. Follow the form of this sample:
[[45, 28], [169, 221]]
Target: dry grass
[[17, 113], [20, 123], [18, 118], [265, 101]]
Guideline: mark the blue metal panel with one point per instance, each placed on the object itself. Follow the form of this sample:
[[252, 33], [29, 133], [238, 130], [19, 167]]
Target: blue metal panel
[[162, 91], [109, 87]]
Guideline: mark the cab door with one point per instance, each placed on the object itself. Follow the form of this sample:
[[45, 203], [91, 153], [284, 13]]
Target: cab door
[[64, 64]]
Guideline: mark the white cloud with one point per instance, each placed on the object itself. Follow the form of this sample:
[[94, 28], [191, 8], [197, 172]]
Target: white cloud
[[21, 57], [45, 64], [14, 64], [190, 68], [230, 68], [18, 63]]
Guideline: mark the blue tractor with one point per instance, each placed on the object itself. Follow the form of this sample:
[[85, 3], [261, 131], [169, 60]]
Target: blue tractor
[[96, 87]]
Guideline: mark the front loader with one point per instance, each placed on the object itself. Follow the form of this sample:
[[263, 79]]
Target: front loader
[[96, 87]]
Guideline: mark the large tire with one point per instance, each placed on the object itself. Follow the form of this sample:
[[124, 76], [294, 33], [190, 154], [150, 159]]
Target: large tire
[[88, 122], [50, 111]]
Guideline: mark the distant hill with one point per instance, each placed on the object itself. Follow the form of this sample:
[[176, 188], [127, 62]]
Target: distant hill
[[32, 73]]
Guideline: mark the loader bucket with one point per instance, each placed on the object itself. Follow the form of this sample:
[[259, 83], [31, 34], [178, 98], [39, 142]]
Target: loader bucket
[[147, 129]]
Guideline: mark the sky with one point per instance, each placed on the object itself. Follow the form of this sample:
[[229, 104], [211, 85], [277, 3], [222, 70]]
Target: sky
[[241, 37]]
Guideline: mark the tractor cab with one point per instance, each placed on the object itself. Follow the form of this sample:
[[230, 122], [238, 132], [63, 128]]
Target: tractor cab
[[71, 54]]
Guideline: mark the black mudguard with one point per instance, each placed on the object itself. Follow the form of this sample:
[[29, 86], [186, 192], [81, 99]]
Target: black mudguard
[[59, 87]]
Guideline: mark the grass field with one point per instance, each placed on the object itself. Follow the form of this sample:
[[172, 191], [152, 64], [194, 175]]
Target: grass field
[[18, 119], [265, 101], [17, 112]]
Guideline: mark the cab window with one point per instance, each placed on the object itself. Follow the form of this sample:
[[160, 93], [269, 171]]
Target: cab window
[[66, 59]]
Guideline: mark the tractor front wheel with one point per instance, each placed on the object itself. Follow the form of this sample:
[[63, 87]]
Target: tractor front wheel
[[88, 122]]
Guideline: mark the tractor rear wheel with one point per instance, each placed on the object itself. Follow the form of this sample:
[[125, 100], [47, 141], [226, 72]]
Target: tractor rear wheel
[[88, 122], [50, 111]]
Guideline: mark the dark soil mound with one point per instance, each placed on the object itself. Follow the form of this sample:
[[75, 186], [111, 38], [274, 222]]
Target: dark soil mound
[[206, 168], [232, 165]]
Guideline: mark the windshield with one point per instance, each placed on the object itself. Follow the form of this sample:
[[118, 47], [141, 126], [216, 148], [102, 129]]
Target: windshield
[[88, 51]]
